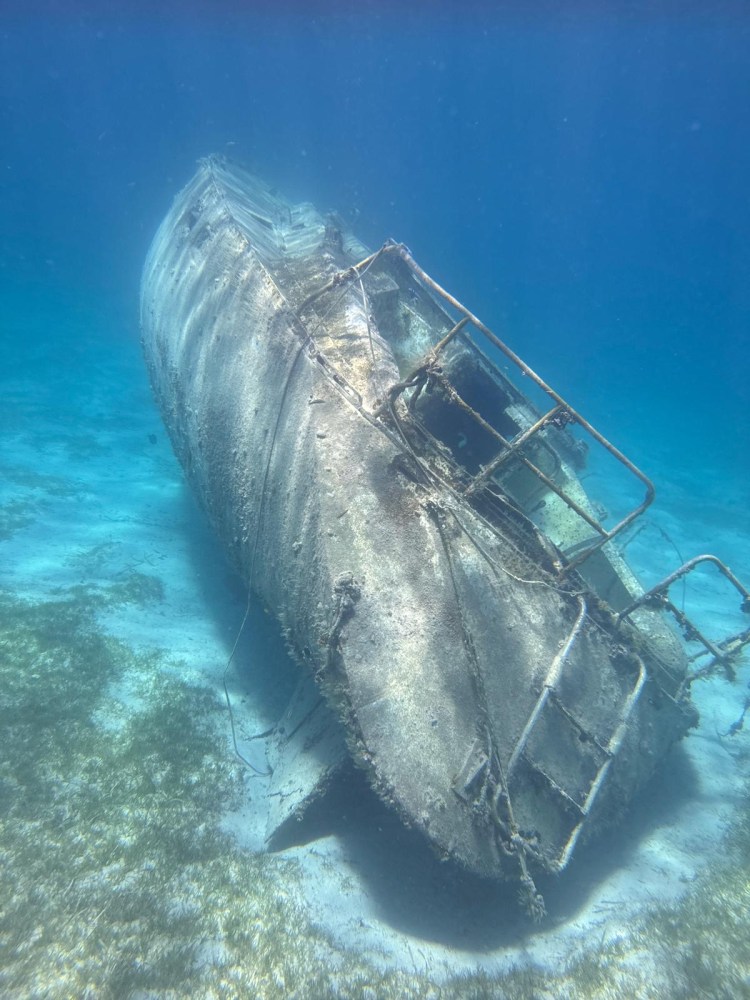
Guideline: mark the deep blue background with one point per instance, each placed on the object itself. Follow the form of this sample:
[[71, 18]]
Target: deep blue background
[[576, 173]]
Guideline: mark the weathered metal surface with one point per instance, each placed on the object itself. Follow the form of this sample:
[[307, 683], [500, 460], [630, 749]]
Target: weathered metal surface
[[306, 752], [487, 689]]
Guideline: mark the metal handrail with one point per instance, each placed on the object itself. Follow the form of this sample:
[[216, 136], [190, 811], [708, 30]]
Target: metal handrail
[[561, 412], [723, 653]]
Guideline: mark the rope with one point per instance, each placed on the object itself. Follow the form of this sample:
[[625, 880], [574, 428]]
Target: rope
[[251, 574], [530, 898], [256, 770]]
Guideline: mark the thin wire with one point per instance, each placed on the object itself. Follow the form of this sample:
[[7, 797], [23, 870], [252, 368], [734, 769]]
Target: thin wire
[[251, 574], [293, 366], [257, 770]]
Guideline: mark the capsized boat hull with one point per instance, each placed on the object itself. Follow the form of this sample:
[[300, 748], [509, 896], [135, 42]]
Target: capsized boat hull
[[498, 710]]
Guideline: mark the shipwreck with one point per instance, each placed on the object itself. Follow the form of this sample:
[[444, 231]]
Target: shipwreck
[[467, 630]]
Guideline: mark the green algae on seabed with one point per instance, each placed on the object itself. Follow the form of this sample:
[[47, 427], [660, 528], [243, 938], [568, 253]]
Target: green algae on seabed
[[42, 482], [15, 515], [33, 492], [116, 880]]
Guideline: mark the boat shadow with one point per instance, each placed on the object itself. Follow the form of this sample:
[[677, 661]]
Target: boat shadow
[[410, 890], [414, 893]]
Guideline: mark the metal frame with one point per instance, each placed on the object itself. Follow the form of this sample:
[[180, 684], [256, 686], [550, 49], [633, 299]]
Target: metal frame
[[724, 652], [560, 414]]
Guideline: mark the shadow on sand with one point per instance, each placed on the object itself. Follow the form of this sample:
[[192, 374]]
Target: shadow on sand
[[413, 892]]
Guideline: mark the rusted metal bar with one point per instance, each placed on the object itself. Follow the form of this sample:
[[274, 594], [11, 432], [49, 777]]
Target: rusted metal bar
[[663, 586], [353, 273], [723, 652], [406, 256], [611, 750], [513, 447], [419, 374], [403, 253], [448, 338], [553, 675]]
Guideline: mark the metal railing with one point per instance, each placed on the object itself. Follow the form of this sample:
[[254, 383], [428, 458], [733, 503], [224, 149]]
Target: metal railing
[[560, 414], [724, 653]]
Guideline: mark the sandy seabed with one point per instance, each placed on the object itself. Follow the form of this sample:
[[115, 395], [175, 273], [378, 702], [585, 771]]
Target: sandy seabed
[[131, 835]]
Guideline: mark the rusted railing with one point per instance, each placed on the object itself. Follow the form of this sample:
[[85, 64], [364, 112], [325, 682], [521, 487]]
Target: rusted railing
[[561, 414]]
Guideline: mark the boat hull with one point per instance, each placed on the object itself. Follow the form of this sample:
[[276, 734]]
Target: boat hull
[[499, 713]]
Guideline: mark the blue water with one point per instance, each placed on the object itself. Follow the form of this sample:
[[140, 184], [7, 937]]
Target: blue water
[[577, 174], [579, 177]]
